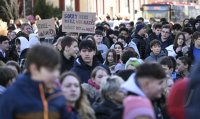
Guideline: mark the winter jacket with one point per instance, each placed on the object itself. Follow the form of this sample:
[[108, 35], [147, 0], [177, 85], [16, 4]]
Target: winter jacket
[[83, 70], [141, 45], [155, 58], [172, 52], [66, 64], [28, 99], [105, 110]]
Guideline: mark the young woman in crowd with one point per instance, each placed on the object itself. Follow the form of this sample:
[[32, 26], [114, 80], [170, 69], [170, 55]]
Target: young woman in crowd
[[111, 59], [175, 49], [112, 97], [77, 101], [92, 88], [118, 48]]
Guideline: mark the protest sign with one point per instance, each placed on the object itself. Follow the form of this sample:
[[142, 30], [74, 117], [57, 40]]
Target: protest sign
[[46, 28], [80, 22]]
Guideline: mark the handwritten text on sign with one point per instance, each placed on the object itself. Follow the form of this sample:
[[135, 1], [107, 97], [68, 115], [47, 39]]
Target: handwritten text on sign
[[46, 28], [80, 22]]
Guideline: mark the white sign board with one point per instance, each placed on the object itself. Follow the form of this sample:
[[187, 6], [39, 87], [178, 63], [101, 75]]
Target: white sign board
[[80, 22], [46, 28]]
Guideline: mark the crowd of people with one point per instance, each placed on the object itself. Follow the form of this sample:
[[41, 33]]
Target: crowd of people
[[134, 71]]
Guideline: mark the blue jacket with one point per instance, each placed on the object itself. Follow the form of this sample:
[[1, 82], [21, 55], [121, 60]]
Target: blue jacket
[[24, 100], [84, 71]]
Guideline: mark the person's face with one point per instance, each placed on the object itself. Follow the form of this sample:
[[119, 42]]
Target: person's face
[[180, 40], [165, 33], [46, 75], [100, 74], [4, 45], [180, 67], [73, 49], [28, 29], [197, 25], [110, 57], [87, 55], [154, 88], [129, 27], [119, 96], [11, 35], [71, 89], [98, 38], [156, 49], [157, 31], [118, 49], [187, 36], [114, 38], [197, 42], [142, 31], [167, 70], [124, 33], [122, 41]]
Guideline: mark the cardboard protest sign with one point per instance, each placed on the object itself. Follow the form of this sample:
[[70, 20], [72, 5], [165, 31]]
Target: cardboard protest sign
[[80, 22], [46, 28]]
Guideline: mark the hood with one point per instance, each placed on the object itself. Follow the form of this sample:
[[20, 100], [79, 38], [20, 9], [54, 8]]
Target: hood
[[24, 43], [162, 53], [131, 86], [33, 40]]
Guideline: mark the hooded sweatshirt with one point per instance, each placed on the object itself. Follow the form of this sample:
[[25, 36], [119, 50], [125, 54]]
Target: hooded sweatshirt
[[155, 58]]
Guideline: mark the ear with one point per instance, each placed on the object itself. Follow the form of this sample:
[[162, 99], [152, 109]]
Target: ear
[[66, 49], [186, 66]]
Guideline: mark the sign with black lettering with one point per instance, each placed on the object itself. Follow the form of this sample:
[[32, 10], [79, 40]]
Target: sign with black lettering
[[80, 22], [46, 28]]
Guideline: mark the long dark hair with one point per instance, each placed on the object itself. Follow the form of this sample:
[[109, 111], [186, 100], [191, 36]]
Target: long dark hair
[[114, 57], [176, 40]]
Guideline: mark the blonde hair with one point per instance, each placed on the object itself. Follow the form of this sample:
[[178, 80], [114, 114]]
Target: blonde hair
[[110, 86], [3, 28]]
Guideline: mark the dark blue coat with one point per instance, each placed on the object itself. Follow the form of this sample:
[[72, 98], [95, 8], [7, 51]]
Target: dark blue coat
[[84, 71], [23, 100]]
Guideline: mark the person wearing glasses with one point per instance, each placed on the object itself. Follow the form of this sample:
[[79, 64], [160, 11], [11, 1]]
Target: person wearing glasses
[[165, 37]]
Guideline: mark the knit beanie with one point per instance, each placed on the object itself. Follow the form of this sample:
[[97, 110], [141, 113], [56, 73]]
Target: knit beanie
[[139, 27], [133, 61], [135, 106]]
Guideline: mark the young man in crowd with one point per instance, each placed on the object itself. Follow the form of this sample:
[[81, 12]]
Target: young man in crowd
[[156, 53], [156, 30], [35, 94], [139, 40], [188, 38], [125, 32], [146, 83], [102, 48], [84, 64], [68, 53], [4, 46], [165, 37]]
